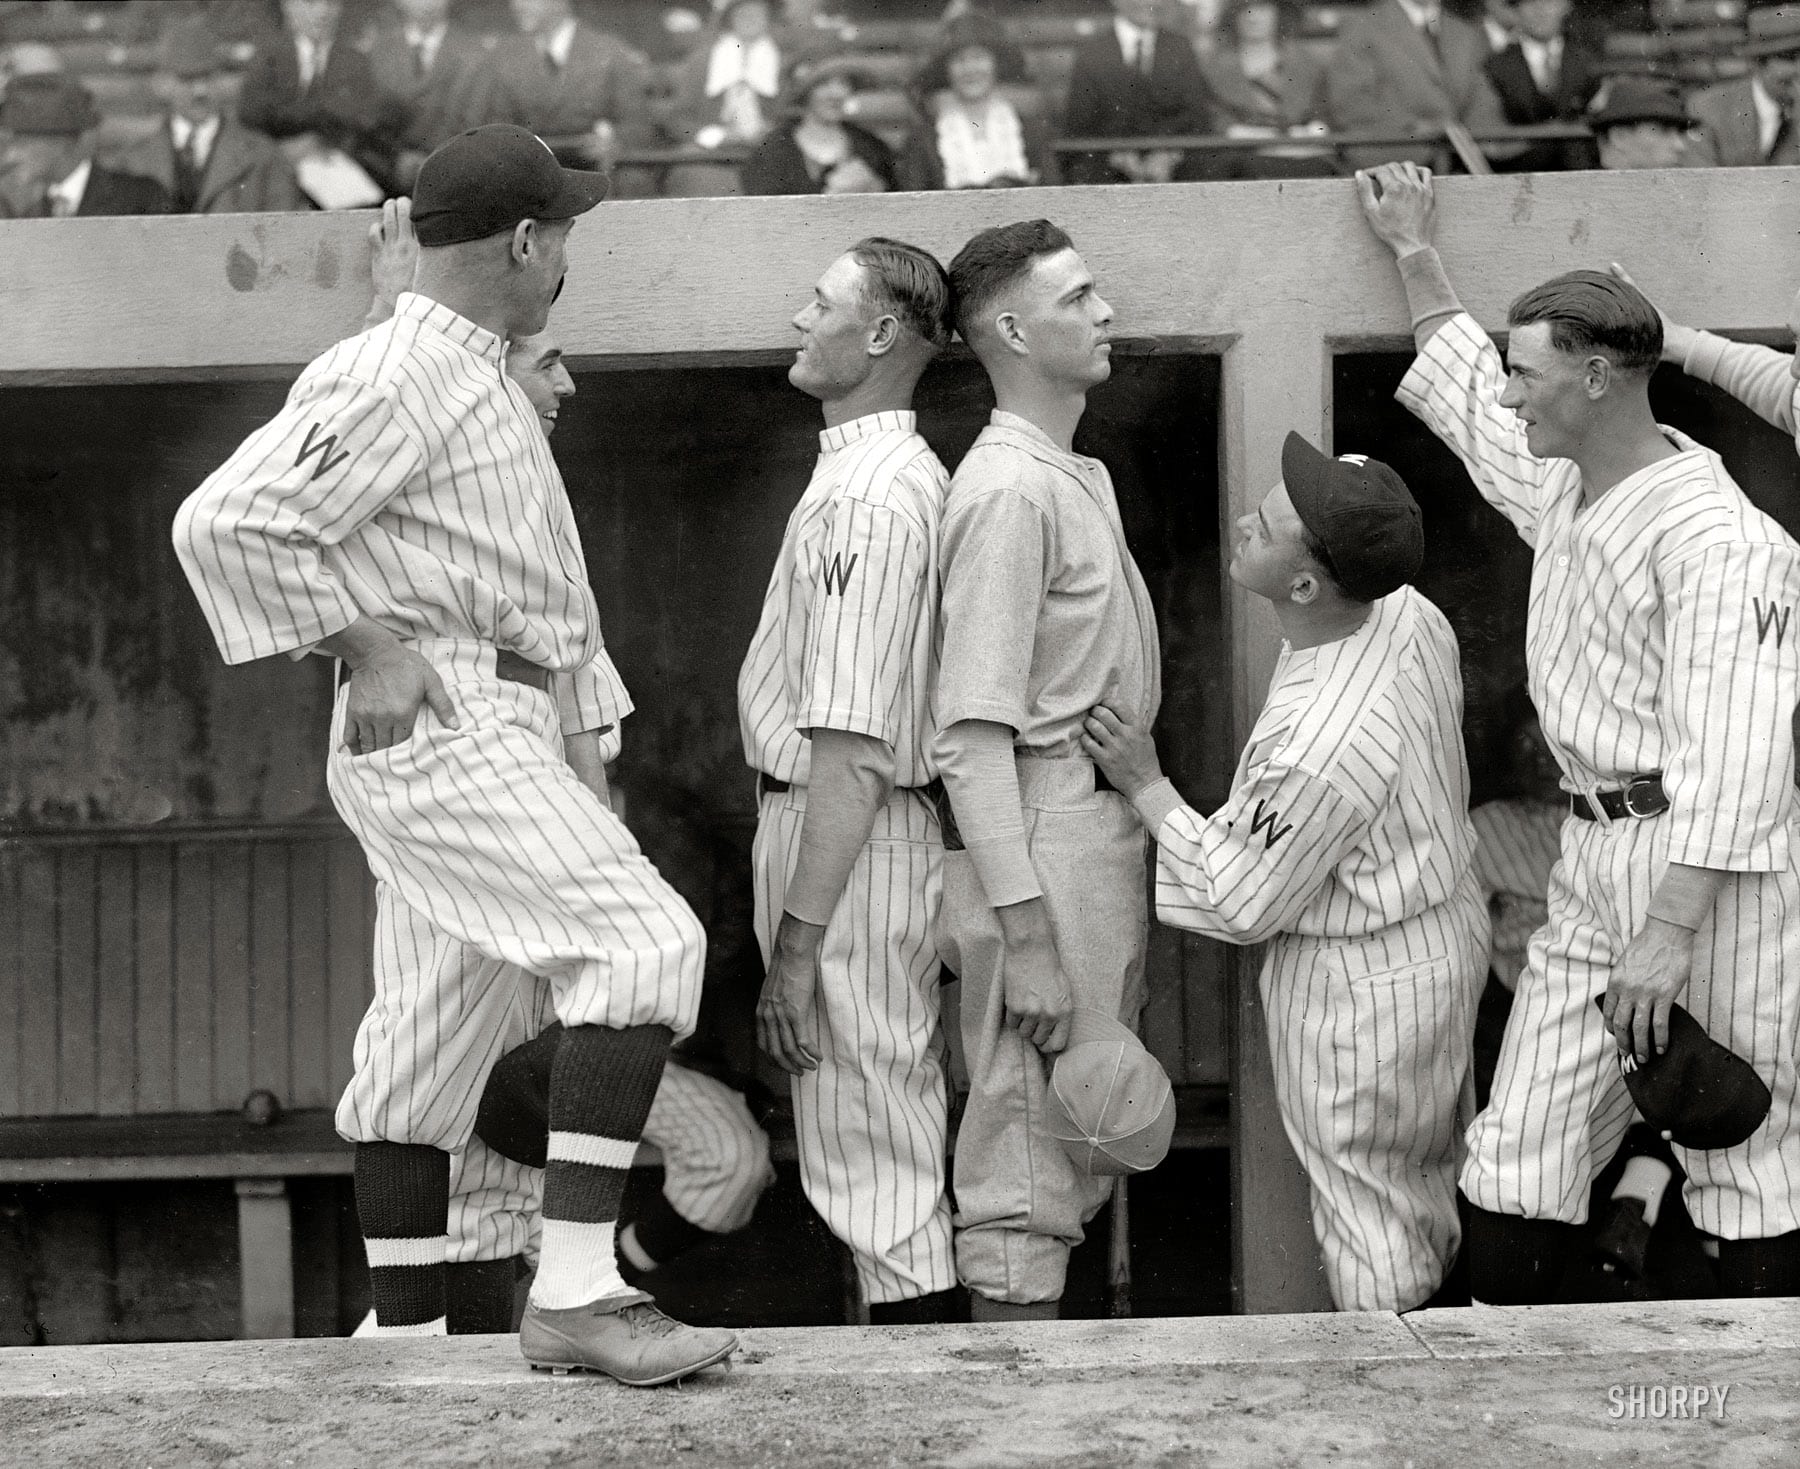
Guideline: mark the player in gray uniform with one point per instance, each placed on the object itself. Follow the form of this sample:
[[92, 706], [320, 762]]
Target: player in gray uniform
[[1665, 668], [1044, 616], [1346, 844]]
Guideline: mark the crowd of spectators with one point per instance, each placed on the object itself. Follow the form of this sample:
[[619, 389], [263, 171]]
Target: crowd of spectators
[[230, 105]]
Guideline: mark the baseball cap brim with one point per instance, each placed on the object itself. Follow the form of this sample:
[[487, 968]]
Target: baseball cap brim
[[581, 190], [1303, 472]]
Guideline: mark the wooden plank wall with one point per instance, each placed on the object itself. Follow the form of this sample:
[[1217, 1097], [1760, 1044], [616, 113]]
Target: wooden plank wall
[[179, 972]]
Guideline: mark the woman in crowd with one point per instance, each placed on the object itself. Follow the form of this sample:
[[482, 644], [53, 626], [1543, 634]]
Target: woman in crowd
[[1265, 85], [971, 134], [819, 151]]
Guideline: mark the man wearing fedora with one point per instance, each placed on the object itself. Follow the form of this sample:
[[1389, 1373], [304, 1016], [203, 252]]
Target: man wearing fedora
[[1640, 122], [48, 122], [1750, 121], [1346, 844], [207, 160]]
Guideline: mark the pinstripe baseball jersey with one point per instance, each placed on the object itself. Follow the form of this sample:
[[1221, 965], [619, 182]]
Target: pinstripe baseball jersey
[[406, 479], [846, 638], [1661, 633], [1516, 844], [1349, 808]]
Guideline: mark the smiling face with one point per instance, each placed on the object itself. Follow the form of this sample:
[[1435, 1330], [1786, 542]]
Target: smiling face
[[1271, 548], [1063, 320], [536, 365], [1547, 389], [972, 73], [835, 326]]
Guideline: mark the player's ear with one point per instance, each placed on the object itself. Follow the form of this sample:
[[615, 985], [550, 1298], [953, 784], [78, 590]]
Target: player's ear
[[1012, 337], [883, 335], [1304, 588], [524, 241], [1597, 375]]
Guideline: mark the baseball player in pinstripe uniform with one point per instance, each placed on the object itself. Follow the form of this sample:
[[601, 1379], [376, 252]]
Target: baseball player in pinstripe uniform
[[833, 703], [404, 514], [1044, 616], [1664, 663], [1346, 843], [715, 1157]]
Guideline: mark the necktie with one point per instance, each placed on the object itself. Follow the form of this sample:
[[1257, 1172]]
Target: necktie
[[419, 66], [187, 171], [1144, 55]]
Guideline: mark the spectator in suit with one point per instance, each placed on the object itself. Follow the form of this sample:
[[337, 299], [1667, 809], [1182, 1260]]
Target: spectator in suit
[[1545, 75], [1640, 122], [1133, 78], [1404, 65], [972, 135], [312, 91], [583, 89], [47, 169], [1750, 121], [1499, 24], [819, 151], [207, 160], [436, 75], [1265, 86]]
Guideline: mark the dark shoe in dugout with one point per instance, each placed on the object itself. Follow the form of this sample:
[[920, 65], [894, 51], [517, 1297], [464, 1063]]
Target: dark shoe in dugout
[[625, 1337]]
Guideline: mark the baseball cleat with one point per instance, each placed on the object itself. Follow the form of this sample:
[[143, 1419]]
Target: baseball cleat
[[626, 1337]]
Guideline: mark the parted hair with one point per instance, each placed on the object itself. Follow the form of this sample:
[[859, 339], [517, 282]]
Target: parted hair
[[909, 282], [996, 258], [1592, 313]]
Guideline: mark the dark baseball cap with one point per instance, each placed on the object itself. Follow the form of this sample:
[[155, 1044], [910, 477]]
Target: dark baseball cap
[[1361, 512], [488, 179], [1701, 1094]]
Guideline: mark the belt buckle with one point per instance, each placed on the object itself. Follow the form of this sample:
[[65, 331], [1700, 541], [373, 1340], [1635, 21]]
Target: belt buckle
[[1648, 783]]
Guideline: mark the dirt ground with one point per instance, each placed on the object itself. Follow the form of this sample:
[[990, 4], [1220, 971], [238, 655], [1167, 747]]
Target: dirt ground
[[1369, 1390]]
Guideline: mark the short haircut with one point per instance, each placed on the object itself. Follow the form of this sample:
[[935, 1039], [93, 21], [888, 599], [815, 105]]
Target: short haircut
[[1591, 312], [996, 258], [1315, 548], [909, 282]]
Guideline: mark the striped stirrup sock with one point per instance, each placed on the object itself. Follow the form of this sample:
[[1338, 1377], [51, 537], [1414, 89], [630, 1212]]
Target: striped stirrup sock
[[601, 1085], [403, 1206]]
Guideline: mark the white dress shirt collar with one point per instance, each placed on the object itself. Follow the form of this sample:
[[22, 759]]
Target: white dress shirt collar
[[65, 196], [1544, 60], [559, 42], [1137, 44], [204, 134], [426, 40], [1768, 116], [1422, 13]]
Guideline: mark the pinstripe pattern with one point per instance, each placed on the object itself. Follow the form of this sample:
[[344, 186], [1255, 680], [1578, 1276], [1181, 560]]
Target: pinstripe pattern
[[1346, 839], [715, 1158], [845, 637], [405, 478], [846, 641], [1661, 636], [1516, 844]]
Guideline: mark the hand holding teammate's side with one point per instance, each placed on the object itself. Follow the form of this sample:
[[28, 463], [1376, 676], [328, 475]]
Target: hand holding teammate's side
[[1676, 337], [386, 695], [789, 994], [1125, 751], [1400, 203]]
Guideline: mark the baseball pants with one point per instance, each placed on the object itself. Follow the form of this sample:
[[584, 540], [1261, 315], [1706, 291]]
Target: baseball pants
[[1020, 1203], [482, 836], [872, 1119], [1370, 1041], [1560, 1105]]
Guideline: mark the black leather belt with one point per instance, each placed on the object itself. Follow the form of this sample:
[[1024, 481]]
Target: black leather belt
[[509, 666], [1645, 796]]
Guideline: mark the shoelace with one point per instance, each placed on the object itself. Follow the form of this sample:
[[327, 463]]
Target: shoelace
[[645, 1320]]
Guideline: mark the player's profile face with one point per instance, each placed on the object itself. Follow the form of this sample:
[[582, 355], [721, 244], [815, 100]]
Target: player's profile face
[[1546, 389], [1064, 320], [536, 365], [549, 263], [833, 355], [1270, 546]]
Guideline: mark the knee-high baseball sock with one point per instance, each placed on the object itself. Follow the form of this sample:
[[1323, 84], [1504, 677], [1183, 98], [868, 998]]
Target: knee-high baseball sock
[[601, 1086], [1760, 1267], [1513, 1261], [658, 1235], [479, 1296], [403, 1206]]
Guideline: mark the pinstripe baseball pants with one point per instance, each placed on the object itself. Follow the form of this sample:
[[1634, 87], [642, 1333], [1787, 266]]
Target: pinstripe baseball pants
[[873, 1118], [484, 835], [1020, 1203], [1560, 1105], [1370, 1040]]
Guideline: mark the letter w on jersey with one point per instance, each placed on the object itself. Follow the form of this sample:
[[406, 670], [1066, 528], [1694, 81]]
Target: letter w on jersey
[[1772, 615], [1267, 825], [323, 447], [838, 571]]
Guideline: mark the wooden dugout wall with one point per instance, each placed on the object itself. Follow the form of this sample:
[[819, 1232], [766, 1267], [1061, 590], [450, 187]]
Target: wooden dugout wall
[[1273, 278]]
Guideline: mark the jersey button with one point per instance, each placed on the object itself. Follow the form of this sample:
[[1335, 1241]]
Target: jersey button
[[1562, 560]]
